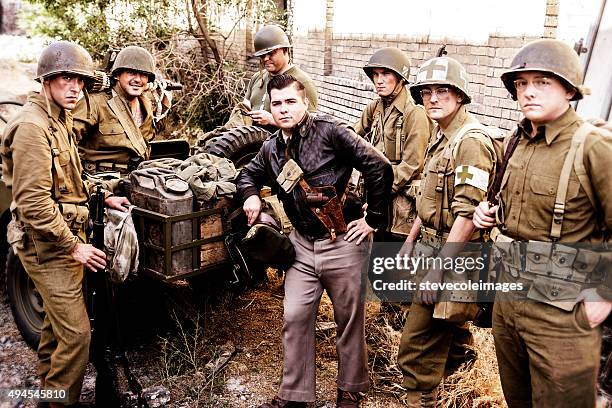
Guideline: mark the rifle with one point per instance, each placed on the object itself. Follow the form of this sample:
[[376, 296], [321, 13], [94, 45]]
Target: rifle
[[441, 51], [107, 346], [102, 77], [484, 318], [107, 386]]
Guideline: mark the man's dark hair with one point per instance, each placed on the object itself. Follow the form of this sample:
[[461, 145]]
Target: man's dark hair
[[283, 81]]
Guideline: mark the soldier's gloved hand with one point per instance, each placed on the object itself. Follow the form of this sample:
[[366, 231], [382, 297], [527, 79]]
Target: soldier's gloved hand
[[262, 117], [427, 294], [117, 203], [596, 307], [90, 256], [358, 229], [484, 215], [252, 208]]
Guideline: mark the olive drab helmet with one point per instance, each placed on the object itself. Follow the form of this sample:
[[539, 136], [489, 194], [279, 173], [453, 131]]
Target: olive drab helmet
[[270, 38], [547, 55], [441, 71], [390, 58], [64, 57], [137, 59]]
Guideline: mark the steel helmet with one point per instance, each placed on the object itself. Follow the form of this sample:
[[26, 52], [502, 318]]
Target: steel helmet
[[137, 59], [441, 71], [64, 57], [390, 58], [547, 55], [270, 38]]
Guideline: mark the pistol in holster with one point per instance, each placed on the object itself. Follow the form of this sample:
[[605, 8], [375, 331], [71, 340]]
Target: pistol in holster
[[326, 206]]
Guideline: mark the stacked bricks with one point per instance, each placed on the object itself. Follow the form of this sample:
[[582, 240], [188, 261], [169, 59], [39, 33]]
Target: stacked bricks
[[551, 19], [346, 90]]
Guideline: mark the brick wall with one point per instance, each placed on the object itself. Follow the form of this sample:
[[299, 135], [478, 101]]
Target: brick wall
[[345, 92]]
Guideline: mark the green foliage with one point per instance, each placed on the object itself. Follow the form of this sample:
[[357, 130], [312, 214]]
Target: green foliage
[[101, 24], [168, 28]]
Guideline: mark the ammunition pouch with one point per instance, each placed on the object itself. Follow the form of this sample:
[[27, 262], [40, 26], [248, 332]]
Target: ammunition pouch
[[430, 237], [76, 216], [557, 273]]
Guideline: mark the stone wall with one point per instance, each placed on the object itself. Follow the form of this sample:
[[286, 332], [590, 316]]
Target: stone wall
[[346, 90]]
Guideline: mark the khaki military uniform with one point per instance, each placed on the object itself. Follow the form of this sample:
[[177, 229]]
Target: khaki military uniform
[[40, 163], [257, 95], [426, 341], [547, 353], [401, 132], [108, 134]]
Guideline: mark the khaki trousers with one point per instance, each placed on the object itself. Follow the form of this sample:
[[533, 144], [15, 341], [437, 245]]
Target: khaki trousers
[[63, 351], [340, 269], [547, 357], [428, 346]]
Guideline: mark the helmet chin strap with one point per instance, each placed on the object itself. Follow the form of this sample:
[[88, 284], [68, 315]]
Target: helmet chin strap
[[86, 96], [44, 80], [387, 100]]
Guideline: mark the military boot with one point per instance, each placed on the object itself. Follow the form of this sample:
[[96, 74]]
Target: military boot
[[421, 399], [278, 402], [347, 399]]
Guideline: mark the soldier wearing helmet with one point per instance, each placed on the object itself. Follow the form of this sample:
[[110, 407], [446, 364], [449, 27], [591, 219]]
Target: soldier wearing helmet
[[40, 163], [459, 162], [556, 192], [116, 128], [272, 48], [399, 129]]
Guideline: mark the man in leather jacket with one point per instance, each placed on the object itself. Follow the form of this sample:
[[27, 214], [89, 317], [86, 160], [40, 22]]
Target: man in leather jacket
[[329, 256]]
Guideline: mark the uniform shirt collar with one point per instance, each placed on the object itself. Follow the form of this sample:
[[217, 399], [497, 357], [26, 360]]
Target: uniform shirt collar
[[460, 119], [553, 128], [399, 102], [147, 108], [57, 112]]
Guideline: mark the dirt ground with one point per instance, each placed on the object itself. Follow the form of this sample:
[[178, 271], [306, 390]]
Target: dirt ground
[[176, 338]]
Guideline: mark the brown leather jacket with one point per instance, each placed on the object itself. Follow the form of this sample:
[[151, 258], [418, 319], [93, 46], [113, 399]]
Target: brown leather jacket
[[326, 150]]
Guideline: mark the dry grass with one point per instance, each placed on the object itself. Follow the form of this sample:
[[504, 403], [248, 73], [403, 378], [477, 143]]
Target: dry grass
[[474, 386], [180, 358], [479, 385]]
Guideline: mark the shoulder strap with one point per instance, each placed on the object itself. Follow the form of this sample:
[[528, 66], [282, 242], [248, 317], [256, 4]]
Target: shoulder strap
[[399, 142], [442, 167], [400, 138], [571, 160], [471, 127], [579, 168], [59, 183]]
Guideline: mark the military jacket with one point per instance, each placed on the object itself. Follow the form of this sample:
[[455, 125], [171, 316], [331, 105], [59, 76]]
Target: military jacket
[[403, 119], [327, 151], [465, 184], [257, 95], [533, 173], [40, 163], [108, 132]]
